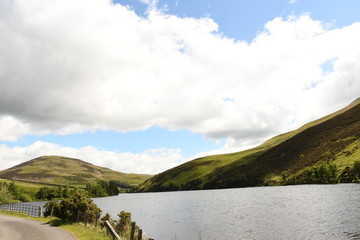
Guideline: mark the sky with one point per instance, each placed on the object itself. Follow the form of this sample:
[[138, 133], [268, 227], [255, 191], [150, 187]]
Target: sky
[[141, 86]]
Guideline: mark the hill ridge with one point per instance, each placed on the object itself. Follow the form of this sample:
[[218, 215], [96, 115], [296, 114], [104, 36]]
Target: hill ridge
[[60, 170], [265, 163]]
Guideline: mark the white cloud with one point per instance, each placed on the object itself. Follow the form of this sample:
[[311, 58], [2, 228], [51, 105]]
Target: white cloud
[[151, 161], [11, 129], [66, 68], [231, 145], [293, 1]]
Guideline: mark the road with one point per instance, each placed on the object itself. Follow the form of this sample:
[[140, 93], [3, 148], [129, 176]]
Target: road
[[15, 228]]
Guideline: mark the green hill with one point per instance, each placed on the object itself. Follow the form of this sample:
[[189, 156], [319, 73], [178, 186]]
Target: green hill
[[59, 170], [330, 144]]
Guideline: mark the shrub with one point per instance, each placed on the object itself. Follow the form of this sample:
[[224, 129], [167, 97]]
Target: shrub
[[356, 168], [5, 195], [284, 176], [77, 208], [124, 222], [52, 208]]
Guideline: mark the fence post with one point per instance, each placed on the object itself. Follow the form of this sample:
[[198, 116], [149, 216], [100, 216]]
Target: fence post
[[40, 211], [52, 212], [96, 219], [132, 233], [86, 218], [111, 230], [78, 216], [140, 234]]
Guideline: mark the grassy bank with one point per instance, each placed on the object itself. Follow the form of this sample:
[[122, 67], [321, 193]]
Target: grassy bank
[[78, 230]]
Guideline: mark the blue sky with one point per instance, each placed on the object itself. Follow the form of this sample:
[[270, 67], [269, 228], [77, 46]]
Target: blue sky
[[135, 142], [243, 19], [147, 85]]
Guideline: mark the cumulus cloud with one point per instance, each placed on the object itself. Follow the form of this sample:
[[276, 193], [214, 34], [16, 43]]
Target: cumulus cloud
[[149, 162], [11, 128], [67, 68]]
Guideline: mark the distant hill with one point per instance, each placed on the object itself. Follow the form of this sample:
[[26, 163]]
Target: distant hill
[[68, 171], [300, 156]]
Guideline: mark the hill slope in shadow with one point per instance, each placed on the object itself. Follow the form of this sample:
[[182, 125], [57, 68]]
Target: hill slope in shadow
[[332, 140]]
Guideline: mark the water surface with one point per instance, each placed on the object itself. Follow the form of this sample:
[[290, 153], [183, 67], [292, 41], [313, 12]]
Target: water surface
[[289, 212]]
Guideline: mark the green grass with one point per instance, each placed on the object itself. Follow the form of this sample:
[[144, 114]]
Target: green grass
[[350, 154], [89, 232], [78, 230], [25, 189], [26, 186], [344, 159], [200, 168]]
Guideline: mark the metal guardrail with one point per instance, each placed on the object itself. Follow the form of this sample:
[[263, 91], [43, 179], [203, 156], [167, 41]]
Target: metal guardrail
[[34, 211]]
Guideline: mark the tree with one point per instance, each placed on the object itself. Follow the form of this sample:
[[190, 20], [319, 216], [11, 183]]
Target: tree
[[5, 194], [332, 173], [47, 193], [356, 168], [18, 193], [102, 189], [95, 190]]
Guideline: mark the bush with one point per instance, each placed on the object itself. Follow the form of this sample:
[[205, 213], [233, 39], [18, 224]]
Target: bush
[[5, 195], [124, 222], [356, 168], [52, 208], [77, 208], [121, 226]]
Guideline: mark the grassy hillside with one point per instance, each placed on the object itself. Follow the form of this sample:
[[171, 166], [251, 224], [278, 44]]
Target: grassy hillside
[[16, 191], [333, 139], [68, 171]]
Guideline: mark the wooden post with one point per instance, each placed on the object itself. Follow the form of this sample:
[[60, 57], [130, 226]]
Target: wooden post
[[111, 230], [96, 219], [78, 216], [132, 233], [86, 218], [40, 208], [140, 234]]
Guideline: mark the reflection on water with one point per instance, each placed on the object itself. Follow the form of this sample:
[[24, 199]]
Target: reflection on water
[[354, 235], [291, 212]]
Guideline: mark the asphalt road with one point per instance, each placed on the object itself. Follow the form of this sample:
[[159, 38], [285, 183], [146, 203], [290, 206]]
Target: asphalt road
[[15, 228]]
